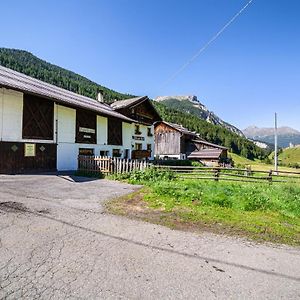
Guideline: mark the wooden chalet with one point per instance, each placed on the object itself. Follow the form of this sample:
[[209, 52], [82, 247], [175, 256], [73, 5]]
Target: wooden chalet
[[173, 141], [45, 128], [141, 110]]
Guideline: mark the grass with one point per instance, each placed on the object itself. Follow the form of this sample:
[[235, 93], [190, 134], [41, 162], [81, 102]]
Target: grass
[[289, 157], [256, 210], [257, 164]]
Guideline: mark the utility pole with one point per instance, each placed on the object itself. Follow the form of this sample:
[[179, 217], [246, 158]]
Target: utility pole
[[276, 145]]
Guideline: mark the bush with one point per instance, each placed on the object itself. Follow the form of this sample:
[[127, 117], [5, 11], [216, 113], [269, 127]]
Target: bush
[[151, 174]]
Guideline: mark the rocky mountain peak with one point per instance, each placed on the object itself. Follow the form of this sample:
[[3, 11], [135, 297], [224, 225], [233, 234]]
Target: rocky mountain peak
[[191, 105]]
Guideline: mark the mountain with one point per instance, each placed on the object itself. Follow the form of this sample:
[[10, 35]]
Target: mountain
[[25, 62], [286, 135], [31, 65], [193, 106]]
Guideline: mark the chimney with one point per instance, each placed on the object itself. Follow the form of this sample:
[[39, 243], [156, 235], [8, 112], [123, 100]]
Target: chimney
[[100, 96]]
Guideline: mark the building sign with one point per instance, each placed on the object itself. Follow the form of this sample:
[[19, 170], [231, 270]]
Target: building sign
[[29, 150], [86, 130], [138, 138]]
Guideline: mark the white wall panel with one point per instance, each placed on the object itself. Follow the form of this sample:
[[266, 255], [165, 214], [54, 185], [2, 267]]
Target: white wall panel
[[66, 124], [101, 130], [11, 115]]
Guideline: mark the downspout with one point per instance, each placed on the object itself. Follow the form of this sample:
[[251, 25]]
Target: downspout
[[2, 116], [56, 124], [56, 135]]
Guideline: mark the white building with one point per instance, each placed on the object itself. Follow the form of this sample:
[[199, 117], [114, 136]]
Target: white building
[[44, 127]]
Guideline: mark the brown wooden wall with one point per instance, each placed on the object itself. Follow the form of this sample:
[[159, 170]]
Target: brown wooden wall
[[38, 116], [167, 143], [114, 132], [144, 113], [86, 120], [13, 161]]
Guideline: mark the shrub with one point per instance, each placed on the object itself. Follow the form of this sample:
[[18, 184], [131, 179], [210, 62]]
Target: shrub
[[151, 174]]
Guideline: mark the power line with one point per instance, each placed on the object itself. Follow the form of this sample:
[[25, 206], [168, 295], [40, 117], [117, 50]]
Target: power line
[[203, 48]]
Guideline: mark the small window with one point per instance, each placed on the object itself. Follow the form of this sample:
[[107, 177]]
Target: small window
[[116, 153], [138, 146], [86, 151], [149, 133], [137, 129], [104, 153], [149, 147]]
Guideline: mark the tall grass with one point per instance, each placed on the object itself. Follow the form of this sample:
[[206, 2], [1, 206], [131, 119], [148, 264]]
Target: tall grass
[[259, 210]]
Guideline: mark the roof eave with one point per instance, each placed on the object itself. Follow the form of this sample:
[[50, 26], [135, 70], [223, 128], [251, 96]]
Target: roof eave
[[55, 100]]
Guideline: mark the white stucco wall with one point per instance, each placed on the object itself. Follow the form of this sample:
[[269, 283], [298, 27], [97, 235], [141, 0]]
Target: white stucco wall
[[66, 124], [127, 137], [11, 115], [68, 150], [147, 139], [101, 130]]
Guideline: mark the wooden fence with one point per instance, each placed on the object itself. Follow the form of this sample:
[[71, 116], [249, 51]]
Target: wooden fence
[[110, 165], [113, 165], [232, 174]]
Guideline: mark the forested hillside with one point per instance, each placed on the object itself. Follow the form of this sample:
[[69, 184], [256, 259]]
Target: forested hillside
[[213, 133], [191, 104], [27, 63]]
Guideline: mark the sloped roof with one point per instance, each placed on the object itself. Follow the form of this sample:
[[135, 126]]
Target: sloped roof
[[206, 154], [200, 141], [18, 81], [127, 102], [179, 128]]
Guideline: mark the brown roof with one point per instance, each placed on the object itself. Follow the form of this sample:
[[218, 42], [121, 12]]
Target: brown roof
[[18, 81], [206, 154], [179, 128], [209, 144], [128, 102]]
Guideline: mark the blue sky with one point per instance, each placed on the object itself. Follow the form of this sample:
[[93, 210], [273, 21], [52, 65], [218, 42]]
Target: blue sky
[[134, 46]]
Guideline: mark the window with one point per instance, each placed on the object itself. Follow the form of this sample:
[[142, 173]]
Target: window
[[86, 151], [116, 153], [149, 133], [114, 134], [137, 129], [138, 146], [149, 147], [104, 153], [38, 118]]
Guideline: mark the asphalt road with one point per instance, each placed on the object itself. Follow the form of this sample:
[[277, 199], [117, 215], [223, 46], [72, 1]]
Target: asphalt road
[[56, 243]]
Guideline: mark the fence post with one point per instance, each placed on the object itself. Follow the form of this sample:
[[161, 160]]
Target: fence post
[[270, 178], [217, 174]]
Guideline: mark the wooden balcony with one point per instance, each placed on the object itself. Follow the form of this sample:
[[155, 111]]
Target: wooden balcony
[[140, 154]]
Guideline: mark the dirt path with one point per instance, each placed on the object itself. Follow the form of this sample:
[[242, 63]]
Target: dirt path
[[56, 242]]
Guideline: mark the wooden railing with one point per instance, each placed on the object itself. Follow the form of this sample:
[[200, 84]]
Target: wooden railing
[[233, 174], [110, 165]]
